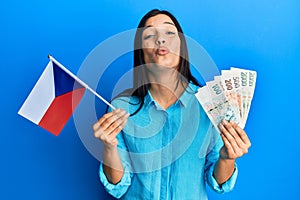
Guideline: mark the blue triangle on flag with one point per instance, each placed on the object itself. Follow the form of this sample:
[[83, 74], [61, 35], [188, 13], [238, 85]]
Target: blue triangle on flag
[[64, 83]]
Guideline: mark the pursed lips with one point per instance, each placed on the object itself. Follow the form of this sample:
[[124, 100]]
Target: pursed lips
[[161, 51]]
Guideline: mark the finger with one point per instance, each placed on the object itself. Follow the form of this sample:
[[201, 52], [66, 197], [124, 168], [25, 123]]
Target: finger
[[112, 136], [102, 119], [227, 144], [116, 131], [230, 128], [98, 130], [241, 147], [117, 125], [106, 116], [242, 134], [111, 120], [230, 138], [99, 133], [109, 115]]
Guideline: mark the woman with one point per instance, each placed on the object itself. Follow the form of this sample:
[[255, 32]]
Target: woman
[[167, 148]]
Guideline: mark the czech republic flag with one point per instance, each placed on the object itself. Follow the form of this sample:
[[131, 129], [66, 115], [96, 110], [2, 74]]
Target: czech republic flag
[[53, 99]]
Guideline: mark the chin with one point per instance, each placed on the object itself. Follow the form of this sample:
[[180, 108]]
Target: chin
[[167, 63], [158, 67]]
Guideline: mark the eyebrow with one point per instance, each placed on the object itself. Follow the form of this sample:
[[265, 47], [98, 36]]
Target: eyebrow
[[169, 23], [163, 23]]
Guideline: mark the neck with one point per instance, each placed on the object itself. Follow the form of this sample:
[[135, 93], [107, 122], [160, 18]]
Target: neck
[[162, 76], [166, 88]]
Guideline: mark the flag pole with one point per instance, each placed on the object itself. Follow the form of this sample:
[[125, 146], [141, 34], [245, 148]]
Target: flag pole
[[81, 82]]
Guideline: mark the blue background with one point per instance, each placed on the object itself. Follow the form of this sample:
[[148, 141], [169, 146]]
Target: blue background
[[260, 35]]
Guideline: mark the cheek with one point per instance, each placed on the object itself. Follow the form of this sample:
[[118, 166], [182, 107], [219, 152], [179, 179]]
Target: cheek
[[148, 44], [148, 49], [175, 46], [175, 50], [147, 55], [145, 44]]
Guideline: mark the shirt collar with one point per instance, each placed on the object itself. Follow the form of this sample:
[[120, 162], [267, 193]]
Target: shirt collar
[[190, 91], [183, 99], [148, 99]]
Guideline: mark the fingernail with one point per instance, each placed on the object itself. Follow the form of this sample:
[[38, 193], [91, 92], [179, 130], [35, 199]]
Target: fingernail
[[224, 121]]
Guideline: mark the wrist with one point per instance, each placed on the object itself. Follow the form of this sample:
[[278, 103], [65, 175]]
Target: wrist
[[110, 149], [227, 160]]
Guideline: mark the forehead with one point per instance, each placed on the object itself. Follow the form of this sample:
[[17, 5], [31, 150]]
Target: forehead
[[159, 20]]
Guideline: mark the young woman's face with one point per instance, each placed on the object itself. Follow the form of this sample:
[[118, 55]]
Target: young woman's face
[[161, 42]]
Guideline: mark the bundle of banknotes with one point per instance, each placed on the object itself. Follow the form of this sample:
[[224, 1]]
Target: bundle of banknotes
[[228, 96]]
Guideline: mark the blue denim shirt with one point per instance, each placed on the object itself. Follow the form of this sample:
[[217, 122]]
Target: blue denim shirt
[[167, 154]]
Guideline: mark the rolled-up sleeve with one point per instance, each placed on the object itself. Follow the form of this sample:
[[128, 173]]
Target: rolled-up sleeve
[[119, 189], [225, 187]]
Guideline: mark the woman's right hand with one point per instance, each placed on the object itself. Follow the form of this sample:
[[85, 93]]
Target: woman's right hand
[[109, 126]]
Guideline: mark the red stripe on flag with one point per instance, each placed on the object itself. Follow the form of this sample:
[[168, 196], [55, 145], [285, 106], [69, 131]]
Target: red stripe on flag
[[60, 111]]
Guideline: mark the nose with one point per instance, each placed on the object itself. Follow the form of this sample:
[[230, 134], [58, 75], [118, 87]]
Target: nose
[[160, 40]]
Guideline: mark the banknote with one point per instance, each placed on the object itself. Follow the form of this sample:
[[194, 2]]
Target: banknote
[[228, 96], [231, 95], [237, 90], [204, 97], [218, 96], [247, 84]]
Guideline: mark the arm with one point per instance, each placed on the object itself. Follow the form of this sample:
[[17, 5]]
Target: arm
[[223, 170], [112, 165], [236, 144]]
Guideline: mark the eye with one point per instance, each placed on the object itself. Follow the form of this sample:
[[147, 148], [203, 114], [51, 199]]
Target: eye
[[146, 37], [170, 33], [149, 34]]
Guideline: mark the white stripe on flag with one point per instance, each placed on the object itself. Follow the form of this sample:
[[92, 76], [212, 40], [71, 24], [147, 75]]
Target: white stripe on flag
[[40, 97]]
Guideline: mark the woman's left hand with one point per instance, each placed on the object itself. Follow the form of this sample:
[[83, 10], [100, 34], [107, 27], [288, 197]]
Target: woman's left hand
[[236, 141]]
